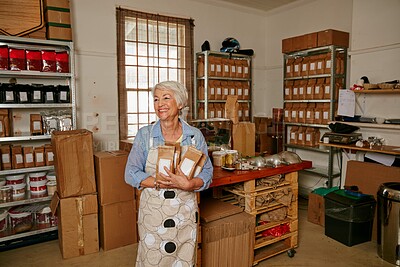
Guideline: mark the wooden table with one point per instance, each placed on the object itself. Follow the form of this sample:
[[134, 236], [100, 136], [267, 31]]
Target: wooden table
[[223, 177]]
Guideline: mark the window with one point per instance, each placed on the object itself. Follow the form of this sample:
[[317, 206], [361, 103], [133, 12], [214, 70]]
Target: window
[[151, 48]]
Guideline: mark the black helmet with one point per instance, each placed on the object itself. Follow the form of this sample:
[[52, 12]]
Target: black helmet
[[230, 45]]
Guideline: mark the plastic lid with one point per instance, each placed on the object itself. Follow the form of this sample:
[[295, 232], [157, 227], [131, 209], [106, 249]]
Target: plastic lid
[[15, 177], [37, 183], [51, 176], [51, 183], [16, 214], [18, 186], [219, 153], [37, 174], [46, 210]]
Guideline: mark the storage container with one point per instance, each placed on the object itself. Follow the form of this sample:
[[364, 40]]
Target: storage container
[[17, 217], [15, 179], [349, 219], [3, 220]]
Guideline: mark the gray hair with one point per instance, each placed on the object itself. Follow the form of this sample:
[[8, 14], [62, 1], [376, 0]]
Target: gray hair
[[179, 90]]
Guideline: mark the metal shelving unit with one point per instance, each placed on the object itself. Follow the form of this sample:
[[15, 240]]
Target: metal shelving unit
[[327, 172], [206, 78], [8, 236]]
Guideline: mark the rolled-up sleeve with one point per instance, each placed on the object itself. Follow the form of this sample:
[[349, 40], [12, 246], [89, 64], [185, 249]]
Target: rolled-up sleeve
[[134, 170]]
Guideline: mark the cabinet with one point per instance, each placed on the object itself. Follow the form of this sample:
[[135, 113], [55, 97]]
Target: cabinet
[[312, 79], [43, 92], [219, 75]]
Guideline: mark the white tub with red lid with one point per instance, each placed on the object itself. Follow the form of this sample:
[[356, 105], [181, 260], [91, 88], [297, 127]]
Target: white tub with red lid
[[45, 216], [51, 176], [19, 217], [38, 188], [37, 176], [3, 220], [15, 179], [19, 191]]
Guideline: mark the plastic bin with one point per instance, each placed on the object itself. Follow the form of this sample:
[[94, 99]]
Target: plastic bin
[[388, 222], [349, 219]]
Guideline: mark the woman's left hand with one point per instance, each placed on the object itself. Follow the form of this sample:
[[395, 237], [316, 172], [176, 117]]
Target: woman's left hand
[[175, 180]]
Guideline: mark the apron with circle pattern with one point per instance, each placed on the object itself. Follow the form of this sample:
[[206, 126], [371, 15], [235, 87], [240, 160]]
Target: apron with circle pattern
[[167, 223]]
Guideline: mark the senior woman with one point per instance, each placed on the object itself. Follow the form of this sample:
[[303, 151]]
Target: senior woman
[[168, 211]]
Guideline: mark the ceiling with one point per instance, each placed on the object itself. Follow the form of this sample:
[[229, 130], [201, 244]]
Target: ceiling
[[260, 5]]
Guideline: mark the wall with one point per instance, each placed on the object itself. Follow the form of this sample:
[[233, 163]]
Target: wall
[[94, 32]]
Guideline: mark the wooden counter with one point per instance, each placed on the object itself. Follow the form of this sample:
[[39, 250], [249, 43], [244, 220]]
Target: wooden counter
[[223, 177]]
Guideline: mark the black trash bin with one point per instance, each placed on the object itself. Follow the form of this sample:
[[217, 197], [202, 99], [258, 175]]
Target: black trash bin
[[389, 222], [349, 219]]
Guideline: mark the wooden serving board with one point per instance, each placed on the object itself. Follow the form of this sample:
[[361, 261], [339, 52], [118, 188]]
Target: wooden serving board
[[21, 17]]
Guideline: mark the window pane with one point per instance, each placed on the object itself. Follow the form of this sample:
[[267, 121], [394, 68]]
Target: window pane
[[173, 52], [142, 49], [153, 117], [132, 101], [181, 35], [144, 119], [153, 50], [163, 32], [142, 61], [130, 48], [163, 62], [131, 60], [163, 75], [152, 30], [131, 77], [172, 34], [130, 29], [143, 78], [163, 50], [172, 63], [132, 118], [173, 74], [132, 130], [142, 30], [144, 102]]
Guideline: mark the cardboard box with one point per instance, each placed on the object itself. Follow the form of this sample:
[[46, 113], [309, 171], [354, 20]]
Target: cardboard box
[[244, 137], [110, 177], [59, 33], [58, 17], [333, 37], [310, 40], [212, 209], [220, 247], [73, 162], [118, 225], [56, 3], [316, 209], [287, 45], [368, 177], [78, 232], [298, 43]]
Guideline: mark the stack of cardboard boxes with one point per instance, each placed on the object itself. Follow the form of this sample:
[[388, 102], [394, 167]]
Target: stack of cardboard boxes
[[116, 201], [76, 196], [58, 20]]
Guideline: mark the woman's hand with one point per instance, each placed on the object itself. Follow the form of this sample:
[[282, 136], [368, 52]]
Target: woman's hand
[[176, 180]]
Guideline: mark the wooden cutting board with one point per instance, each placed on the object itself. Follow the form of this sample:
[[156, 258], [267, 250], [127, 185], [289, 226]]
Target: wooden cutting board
[[21, 17]]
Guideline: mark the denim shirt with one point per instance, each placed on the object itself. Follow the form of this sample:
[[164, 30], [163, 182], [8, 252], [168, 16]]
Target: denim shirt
[[135, 166]]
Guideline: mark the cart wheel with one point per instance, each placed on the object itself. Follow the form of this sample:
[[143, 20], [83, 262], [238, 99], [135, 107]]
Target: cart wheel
[[291, 252]]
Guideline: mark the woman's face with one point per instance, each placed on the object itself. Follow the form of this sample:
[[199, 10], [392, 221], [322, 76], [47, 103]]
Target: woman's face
[[165, 104]]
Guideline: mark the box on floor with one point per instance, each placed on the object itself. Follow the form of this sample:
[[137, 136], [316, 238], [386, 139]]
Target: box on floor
[[78, 232], [117, 225]]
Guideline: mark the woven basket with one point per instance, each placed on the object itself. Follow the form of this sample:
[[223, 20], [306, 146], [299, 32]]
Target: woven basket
[[370, 86], [386, 85]]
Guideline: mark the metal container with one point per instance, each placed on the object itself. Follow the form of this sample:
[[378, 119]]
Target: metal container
[[389, 222]]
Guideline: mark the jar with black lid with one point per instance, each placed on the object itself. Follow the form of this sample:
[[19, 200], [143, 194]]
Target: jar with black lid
[[36, 93], [63, 93]]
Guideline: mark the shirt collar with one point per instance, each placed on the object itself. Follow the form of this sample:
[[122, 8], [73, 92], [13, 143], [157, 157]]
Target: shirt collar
[[186, 129]]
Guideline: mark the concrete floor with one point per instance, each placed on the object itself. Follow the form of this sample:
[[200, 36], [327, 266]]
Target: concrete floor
[[315, 249]]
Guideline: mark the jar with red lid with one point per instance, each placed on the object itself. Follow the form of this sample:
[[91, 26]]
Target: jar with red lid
[[3, 220], [17, 218], [3, 57], [62, 61], [48, 60], [17, 59], [15, 179], [33, 60], [46, 217]]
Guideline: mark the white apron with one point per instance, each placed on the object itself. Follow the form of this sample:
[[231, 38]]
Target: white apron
[[167, 224]]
